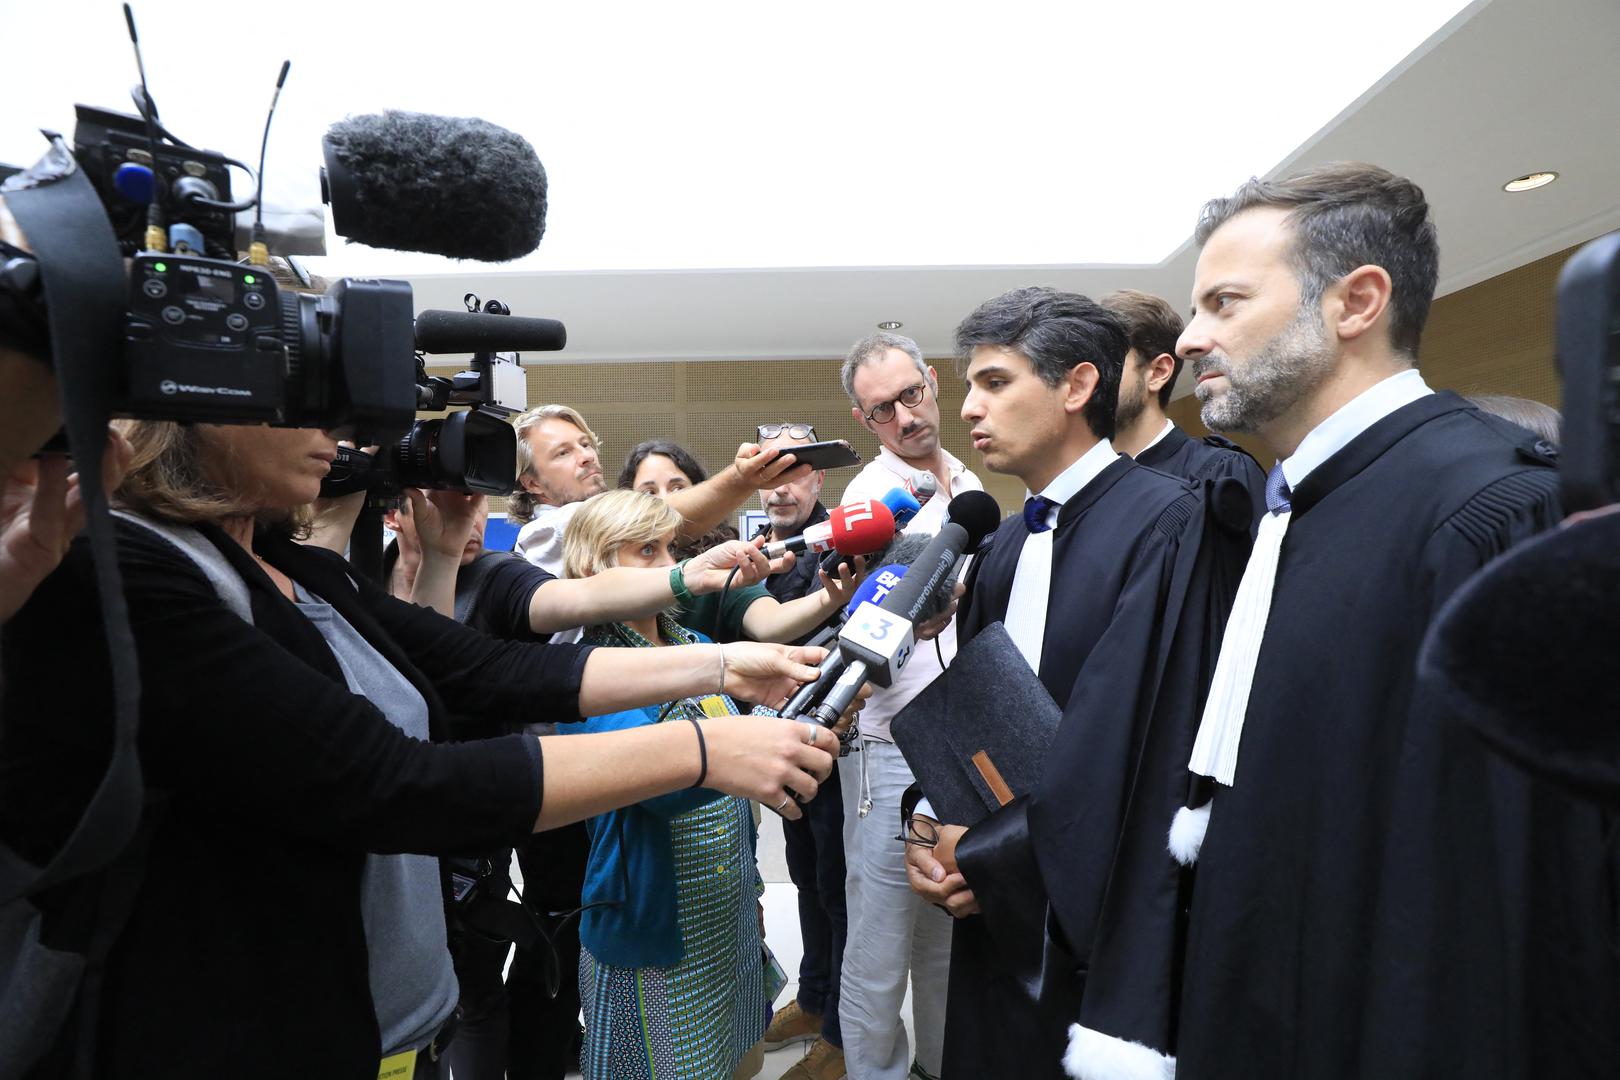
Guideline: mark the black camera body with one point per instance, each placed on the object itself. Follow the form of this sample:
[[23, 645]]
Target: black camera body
[[205, 339], [213, 341], [113, 149], [473, 450]]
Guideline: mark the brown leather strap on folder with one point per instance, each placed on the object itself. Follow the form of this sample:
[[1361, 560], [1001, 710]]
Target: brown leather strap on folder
[[992, 778]]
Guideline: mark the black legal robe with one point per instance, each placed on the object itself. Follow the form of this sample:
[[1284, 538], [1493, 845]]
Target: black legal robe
[[1143, 571], [1209, 458], [1367, 888]]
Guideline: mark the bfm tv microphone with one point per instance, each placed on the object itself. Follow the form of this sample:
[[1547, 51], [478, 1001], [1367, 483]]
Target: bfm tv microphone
[[878, 584], [878, 638], [857, 528], [441, 184]]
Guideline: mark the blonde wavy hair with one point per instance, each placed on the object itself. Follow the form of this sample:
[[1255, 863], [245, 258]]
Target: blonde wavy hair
[[610, 519], [520, 504], [169, 478]]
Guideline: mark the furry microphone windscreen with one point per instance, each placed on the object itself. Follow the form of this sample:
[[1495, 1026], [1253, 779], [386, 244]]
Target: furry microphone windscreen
[[1523, 653], [903, 551], [445, 185]]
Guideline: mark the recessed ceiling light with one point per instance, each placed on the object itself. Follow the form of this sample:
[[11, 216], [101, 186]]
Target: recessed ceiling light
[[1530, 181], [890, 325]]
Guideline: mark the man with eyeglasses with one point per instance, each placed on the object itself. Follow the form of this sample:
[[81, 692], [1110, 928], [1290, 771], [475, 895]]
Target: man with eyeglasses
[[892, 932]]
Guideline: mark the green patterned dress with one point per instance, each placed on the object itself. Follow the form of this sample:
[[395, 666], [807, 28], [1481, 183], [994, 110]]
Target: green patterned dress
[[696, 1019]]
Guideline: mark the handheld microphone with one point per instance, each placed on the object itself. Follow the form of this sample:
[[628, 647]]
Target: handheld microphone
[[903, 505], [477, 331], [976, 512], [878, 639], [445, 185], [900, 504], [922, 488], [857, 528], [875, 587]]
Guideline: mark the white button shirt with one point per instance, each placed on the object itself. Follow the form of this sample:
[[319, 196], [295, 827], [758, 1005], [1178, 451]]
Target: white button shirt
[[883, 474]]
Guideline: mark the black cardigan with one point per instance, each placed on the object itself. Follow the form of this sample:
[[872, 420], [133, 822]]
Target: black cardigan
[[245, 949]]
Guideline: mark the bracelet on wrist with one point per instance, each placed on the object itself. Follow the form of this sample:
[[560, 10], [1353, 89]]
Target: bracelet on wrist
[[703, 754], [677, 584]]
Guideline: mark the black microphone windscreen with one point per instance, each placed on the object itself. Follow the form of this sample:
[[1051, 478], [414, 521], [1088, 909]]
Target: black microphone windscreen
[[454, 186], [474, 331], [1521, 653], [904, 552], [976, 512]]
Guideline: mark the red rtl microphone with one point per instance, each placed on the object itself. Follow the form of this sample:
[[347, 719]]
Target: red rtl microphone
[[857, 528]]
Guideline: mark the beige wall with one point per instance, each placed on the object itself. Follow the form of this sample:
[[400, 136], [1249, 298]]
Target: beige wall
[[1495, 337], [1492, 338], [711, 406]]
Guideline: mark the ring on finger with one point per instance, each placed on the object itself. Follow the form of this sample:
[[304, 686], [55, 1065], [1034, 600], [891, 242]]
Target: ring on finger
[[810, 733], [784, 804]]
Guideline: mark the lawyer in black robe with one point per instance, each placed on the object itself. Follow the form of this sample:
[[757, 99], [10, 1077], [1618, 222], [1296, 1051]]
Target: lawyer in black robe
[[1212, 457], [1144, 567], [1364, 886]]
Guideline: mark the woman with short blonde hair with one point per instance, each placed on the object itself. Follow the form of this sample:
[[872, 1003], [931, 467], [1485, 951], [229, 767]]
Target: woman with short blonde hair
[[609, 520], [671, 974]]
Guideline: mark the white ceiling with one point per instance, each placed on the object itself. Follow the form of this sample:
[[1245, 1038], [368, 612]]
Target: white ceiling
[[897, 161], [1506, 88]]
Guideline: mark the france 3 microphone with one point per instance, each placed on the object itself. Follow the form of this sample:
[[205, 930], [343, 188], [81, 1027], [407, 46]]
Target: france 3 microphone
[[854, 528], [876, 585], [897, 559], [878, 640]]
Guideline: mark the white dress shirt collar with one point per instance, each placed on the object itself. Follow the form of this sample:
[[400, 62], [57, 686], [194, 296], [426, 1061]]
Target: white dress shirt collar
[[1356, 416], [1071, 481], [905, 471], [1169, 426]]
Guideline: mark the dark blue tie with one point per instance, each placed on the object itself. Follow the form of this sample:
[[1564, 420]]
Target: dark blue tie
[[1277, 492], [1036, 509]]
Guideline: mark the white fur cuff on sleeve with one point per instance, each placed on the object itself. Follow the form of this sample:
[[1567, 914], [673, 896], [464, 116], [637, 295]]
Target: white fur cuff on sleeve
[[1095, 1056], [1187, 833]]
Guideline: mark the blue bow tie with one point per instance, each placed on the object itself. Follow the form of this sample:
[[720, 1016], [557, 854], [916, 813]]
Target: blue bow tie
[[1036, 509], [1277, 491]]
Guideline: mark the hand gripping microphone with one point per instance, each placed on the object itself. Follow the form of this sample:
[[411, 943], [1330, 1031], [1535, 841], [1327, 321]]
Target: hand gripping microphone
[[900, 504], [878, 640], [857, 528], [878, 584]]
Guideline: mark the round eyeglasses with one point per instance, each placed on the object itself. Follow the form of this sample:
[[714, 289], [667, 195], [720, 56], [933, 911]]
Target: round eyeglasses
[[792, 431], [911, 397]]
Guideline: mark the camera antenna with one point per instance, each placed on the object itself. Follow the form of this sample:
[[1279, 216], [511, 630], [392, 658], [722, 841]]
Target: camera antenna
[[258, 250], [157, 237]]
